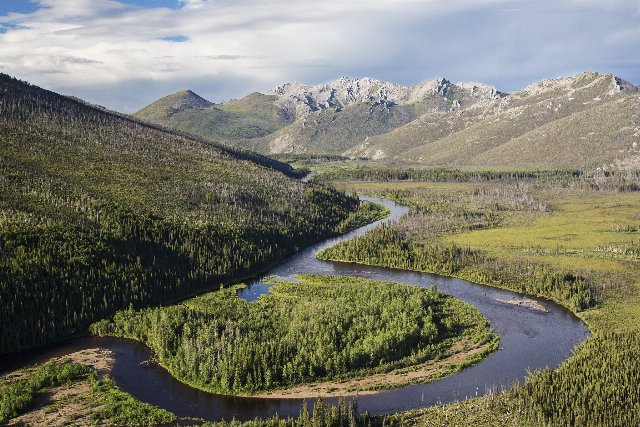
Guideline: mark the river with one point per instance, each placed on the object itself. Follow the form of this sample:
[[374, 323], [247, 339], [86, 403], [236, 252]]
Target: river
[[529, 339]]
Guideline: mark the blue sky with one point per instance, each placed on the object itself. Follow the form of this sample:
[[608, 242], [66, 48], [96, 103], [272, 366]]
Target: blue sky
[[28, 6], [125, 54], [8, 6]]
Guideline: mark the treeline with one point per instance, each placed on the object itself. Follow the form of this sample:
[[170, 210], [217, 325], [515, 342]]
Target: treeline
[[366, 214], [311, 158], [613, 180], [386, 247], [99, 212], [438, 175], [18, 395], [323, 328], [110, 405]]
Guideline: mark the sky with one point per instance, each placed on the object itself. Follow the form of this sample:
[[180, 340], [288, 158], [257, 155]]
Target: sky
[[125, 54]]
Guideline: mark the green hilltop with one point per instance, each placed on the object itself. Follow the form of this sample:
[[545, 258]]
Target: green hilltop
[[250, 117]]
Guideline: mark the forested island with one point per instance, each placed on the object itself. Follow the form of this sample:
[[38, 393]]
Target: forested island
[[320, 328]]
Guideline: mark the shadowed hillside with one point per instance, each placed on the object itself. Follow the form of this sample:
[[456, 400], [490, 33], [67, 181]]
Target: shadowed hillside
[[99, 211]]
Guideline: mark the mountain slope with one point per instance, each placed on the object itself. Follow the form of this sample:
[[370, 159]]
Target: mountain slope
[[604, 135], [441, 124], [253, 116], [341, 114], [426, 129], [519, 131], [334, 131], [327, 119], [99, 211]]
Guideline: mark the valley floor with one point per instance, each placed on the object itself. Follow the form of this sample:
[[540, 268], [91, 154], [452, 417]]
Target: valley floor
[[588, 234], [577, 243]]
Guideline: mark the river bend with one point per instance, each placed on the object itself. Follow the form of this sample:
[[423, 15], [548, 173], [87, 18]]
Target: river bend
[[529, 340]]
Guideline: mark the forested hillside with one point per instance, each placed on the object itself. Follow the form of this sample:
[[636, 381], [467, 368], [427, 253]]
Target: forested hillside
[[99, 212]]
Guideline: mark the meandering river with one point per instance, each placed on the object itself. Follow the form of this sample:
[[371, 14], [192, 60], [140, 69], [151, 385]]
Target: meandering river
[[529, 339]]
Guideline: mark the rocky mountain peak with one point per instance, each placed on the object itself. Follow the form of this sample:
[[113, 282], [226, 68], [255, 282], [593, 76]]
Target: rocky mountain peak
[[621, 85], [480, 90], [427, 89], [288, 89], [302, 100], [600, 84]]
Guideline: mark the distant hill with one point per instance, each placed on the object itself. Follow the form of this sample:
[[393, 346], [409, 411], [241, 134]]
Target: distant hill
[[253, 116], [579, 121], [99, 211]]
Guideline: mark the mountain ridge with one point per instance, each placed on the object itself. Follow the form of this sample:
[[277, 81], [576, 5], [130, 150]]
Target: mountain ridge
[[346, 91], [386, 121], [295, 101]]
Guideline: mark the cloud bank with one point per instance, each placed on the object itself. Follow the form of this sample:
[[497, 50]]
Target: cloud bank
[[124, 55]]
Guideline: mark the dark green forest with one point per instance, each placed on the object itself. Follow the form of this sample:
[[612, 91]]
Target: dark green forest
[[598, 386], [99, 212], [381, 174], [323, 327]]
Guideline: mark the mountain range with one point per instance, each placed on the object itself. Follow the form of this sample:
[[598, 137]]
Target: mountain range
[[586, 120]]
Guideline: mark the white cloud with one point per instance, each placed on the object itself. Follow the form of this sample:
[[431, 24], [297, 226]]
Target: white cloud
[[234, 47], [195, 4]]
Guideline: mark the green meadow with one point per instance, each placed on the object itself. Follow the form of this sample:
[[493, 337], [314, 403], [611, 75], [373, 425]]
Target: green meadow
[[501, 231]]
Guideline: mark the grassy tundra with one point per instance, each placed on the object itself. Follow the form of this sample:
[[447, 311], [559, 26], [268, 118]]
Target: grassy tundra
[[573, 240]]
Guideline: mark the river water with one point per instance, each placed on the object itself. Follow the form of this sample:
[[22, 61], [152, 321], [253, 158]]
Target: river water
[[529, 340]]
